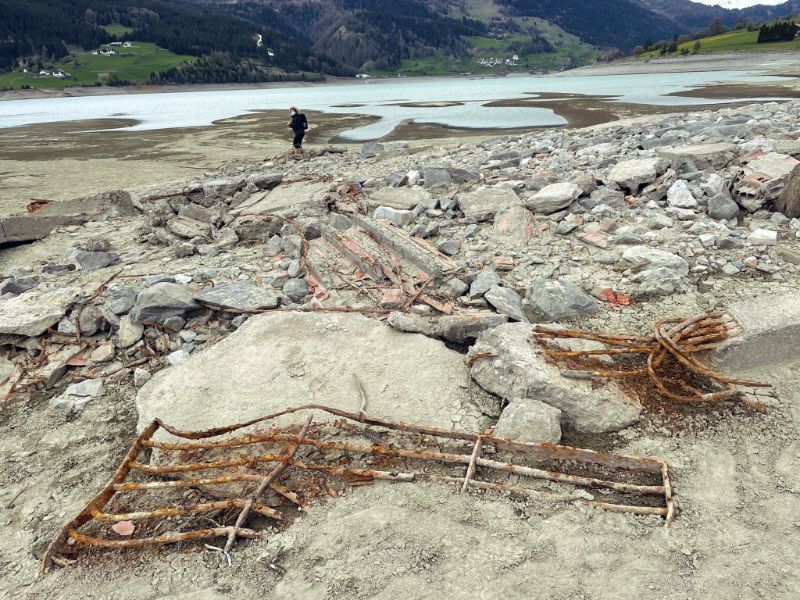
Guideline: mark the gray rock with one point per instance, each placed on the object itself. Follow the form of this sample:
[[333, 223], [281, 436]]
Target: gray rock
[[397, 179], [612, 198], [242, 295], [141, 376], [660, 281], [371, 149], [722, 207], [633, 174], [553, 198], [129, 332], [515, 226], [484, 281], [177, 357], [90, 320], [449, 247], [122, 300], [154, 279], [256, 231], [465, 328], [295, 289], [33, 312], [789, 201], [484, 202], [274, 246], [401, 218], [187, 228], [529, 420], [265, 181], [643, 257], [680, 196], [519, 370], [557, 300], [159, 302], [507, 302], [175, 323], [92, 261], [436, 177], [340, 221]]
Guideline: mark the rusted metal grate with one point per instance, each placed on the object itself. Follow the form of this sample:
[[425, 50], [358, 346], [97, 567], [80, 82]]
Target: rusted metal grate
[[271, 474]]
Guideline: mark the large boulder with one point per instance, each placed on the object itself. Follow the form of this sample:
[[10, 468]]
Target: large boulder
[[278, 360], [548, 299], [159, 302], [633, 174], [518, 370]]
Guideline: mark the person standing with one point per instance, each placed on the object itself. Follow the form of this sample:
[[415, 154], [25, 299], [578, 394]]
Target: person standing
[[298, 124]]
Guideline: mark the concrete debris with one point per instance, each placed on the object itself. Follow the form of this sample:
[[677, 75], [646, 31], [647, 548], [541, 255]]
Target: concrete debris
[[515, 369], [34, 312]]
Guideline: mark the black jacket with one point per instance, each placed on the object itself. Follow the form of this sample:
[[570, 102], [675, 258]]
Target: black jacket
[[299, 123]]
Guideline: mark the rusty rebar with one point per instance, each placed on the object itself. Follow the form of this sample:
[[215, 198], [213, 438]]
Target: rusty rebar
[[682, 339]]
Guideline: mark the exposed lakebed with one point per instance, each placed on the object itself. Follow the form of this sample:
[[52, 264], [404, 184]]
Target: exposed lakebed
[[451, 103]]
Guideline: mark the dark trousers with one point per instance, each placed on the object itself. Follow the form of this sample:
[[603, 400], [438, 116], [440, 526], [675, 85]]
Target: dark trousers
[[298, 138]]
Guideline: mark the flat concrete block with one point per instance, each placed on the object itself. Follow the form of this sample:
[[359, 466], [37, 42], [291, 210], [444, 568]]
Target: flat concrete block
[[770, 334]]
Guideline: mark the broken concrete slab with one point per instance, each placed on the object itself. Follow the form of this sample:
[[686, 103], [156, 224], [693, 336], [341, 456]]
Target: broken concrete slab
[[770, 330], [278, 360], [242, 295], [553, 198], [484, 202], [516, 368], [399, 198], [704, 156], [34, 312], [529, 420], [283, 197]]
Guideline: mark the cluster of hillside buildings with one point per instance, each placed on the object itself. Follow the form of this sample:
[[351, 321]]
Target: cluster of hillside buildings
[[499, 62], [109, 50]]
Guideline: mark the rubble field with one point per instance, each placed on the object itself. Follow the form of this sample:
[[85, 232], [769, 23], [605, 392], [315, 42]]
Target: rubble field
[[406, 284]]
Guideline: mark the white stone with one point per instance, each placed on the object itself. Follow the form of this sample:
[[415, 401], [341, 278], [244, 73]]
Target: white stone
[[680, 196], [763, 237]]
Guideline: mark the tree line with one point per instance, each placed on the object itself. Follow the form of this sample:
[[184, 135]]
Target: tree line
[[780, 31]]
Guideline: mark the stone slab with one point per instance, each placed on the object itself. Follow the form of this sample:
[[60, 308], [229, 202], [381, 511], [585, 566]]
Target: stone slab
[[278, 360]]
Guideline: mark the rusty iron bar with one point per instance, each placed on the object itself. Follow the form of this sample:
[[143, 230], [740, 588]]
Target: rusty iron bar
[[185, 511], [200, 534], [476, 450], [274, 474]]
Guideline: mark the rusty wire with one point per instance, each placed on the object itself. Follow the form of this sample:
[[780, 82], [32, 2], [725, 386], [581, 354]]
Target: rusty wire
[[217, 460], [675, 341]]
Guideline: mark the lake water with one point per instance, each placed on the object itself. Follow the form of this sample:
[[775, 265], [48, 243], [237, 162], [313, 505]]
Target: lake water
[[200, 108]]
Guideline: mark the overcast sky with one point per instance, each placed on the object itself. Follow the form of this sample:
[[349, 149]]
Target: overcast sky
[[739, 3]]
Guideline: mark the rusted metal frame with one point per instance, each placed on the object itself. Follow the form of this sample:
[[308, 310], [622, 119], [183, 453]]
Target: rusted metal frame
[[354, 252], [413, 454], [274, 474], [185, 511], [417, 293], [184, 483], [99, 501], [199, 534], [476, 450]]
